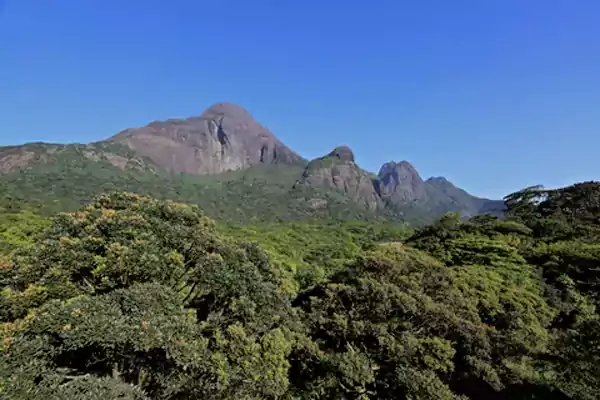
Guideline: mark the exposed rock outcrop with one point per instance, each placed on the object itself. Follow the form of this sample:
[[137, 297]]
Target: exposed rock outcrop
[[398, 186], [20, 157], [224, 138], [342, 153], [401, 183], [339, 171], [14, 158]]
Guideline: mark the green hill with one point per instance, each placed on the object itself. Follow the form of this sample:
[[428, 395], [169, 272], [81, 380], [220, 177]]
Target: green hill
[[63, 177]]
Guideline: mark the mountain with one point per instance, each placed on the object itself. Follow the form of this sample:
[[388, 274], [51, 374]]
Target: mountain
[[400, 183], [467, 204], [401, 186], [229, 164], [397, 188], [337, 170], [224, 138]]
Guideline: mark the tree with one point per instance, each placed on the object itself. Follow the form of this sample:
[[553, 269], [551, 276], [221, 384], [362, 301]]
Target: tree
[[399, 324], [135, 291]]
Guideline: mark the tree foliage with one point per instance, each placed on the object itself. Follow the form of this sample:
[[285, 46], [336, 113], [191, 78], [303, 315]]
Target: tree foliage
[[137, 298], [145, 292]]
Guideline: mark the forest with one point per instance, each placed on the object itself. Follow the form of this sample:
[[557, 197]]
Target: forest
[[136, 297]]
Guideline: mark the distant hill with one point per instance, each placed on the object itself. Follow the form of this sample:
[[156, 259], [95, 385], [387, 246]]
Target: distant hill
[[233, 167], [398, 188]]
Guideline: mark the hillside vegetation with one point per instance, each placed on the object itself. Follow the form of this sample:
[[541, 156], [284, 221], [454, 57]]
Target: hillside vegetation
[[230, 165], [64, 177], [136, 297]]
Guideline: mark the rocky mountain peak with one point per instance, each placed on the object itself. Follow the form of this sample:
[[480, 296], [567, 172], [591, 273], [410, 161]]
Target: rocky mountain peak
[[343, 153], [338, 170], [227, 109], [400, 182], [403, 172], [224, 138], [439, 179]]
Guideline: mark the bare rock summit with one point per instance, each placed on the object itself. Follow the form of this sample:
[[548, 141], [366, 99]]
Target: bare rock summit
[[225, 137], [342, 153], [400, 182], [337, 170]]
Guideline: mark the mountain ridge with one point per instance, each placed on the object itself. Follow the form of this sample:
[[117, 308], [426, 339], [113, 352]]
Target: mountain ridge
[[225, 138], [397, 186]]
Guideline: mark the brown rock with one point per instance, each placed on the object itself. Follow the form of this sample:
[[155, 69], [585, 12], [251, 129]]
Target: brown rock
[[338, 170], [225, 137]]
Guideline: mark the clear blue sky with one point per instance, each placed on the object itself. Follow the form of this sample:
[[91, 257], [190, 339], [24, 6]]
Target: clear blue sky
[[494, 95]]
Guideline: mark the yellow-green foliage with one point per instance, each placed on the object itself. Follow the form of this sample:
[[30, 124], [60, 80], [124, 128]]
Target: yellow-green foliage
[[312, 252], [18, 229], [105, 292], [137, 298]]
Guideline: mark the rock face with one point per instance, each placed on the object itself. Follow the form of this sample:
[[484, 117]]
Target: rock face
[[84, 155], [401, 183], [397, 186], [12, 158], [224, 138], [338, 170], [342, 153]]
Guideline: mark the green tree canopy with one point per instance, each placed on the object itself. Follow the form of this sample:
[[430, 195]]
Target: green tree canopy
[[136, 298], [146, 293]]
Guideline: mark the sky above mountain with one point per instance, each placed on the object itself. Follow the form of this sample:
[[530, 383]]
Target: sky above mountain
[[493, 95]]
